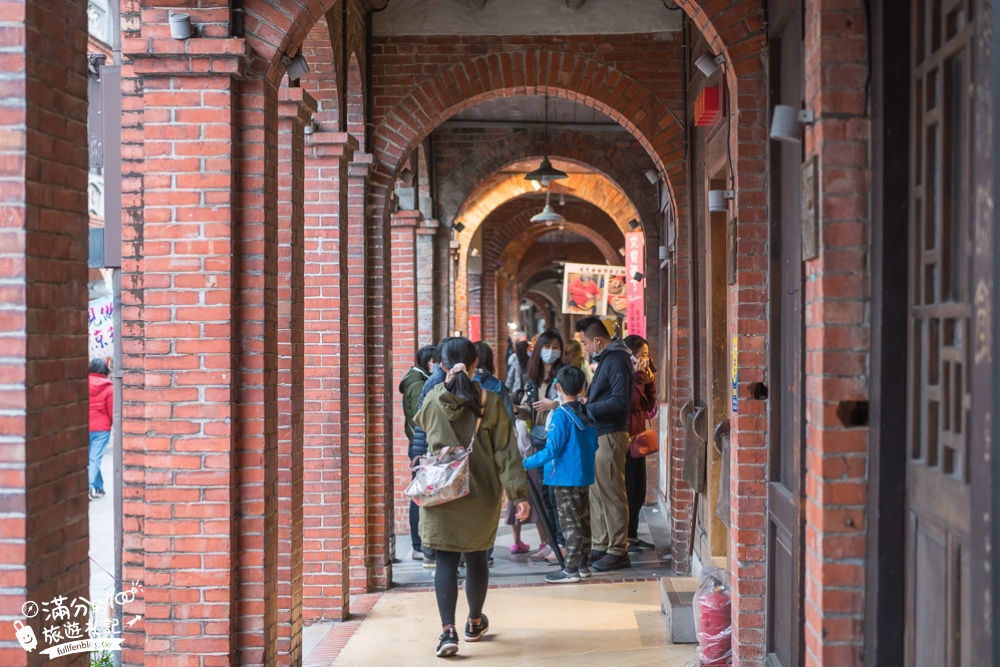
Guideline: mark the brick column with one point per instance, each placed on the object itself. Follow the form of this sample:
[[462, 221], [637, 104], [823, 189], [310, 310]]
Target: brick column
[[362, 338], [327, 365], [838, 332], [180, 481], [405, 243], [256, 320], [427, 297], [43, 314], [295, 109]]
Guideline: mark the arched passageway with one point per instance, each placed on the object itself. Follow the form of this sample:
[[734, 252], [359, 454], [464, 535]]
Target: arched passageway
[[281, 245]]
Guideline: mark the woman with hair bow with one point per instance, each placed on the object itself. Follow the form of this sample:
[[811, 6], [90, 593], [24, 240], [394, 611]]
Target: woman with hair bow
[[455, 413]]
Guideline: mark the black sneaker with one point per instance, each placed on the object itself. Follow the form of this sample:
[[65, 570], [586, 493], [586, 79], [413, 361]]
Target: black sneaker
[[643, 544], [634, 549], [596, 555], [585, 573], [448, 646], [489, 562], [612, 562], [563, 577], [430, 560], [475, 631]]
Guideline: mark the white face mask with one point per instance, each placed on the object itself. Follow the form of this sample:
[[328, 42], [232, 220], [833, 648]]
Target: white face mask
[[551, 356]]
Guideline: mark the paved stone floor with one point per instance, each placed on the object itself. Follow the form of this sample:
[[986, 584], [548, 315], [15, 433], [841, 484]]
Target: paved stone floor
[[520, 570], [102, 533], [613, 619], [605, 624]]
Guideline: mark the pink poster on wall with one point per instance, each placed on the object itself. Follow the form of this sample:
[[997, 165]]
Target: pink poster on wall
[[635, 250]]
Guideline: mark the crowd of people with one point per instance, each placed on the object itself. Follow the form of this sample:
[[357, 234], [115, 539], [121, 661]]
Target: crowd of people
[[560, 422]]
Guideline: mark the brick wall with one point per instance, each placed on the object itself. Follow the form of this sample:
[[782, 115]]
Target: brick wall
[[837, 337], [43, 316]]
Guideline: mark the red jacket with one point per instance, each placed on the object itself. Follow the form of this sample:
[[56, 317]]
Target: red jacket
[[643, 405], [102, 402]]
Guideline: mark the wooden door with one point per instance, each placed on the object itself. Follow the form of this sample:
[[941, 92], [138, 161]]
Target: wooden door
[[938, 570], [786, 404]]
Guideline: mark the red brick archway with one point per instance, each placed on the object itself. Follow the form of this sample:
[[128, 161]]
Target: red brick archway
[[604, 158], [508, 233], [532, 72]]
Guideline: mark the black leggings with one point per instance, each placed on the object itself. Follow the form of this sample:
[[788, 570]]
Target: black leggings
[[477, 580], [635, 488]]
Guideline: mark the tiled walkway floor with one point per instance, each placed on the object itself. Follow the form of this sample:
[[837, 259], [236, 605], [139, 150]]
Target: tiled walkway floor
[[612, 619], [616, 624], [519, 570]]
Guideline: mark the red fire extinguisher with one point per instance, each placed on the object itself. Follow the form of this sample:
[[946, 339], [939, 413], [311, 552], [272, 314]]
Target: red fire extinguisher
[[715, 637]]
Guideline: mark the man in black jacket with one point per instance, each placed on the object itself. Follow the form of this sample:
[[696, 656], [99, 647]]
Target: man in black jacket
[[608, 403]]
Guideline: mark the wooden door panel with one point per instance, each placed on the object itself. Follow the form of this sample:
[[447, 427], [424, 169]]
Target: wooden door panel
[[929, 553], [785, 617], [939, 379]]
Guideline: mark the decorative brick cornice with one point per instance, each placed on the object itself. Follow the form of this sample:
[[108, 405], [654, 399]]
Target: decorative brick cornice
[[411, 219], [296, 103], [331, 144]]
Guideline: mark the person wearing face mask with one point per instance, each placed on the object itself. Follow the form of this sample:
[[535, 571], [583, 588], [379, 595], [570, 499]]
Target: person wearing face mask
[[608, 401], [411, 387], [456, 412], [540, 399]]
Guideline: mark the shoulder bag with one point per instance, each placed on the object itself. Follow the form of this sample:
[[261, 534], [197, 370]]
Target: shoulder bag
[[445, 477]]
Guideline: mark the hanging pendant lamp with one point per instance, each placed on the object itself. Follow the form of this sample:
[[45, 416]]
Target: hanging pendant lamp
[[546, 173], [548, 215]]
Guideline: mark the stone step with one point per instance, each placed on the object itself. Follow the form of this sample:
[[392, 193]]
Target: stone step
[[676, 601]]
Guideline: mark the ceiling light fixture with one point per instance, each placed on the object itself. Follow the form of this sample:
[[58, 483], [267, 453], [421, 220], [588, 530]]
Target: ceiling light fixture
[[548, 216], [546, 173]]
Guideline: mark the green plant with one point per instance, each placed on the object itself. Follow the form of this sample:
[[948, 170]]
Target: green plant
[[102, 659]]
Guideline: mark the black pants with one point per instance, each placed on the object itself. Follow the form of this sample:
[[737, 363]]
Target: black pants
[[477, 580], [414, 522], [635, 489]]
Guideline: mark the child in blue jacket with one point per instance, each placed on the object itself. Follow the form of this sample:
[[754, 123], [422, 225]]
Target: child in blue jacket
[[568, 458]]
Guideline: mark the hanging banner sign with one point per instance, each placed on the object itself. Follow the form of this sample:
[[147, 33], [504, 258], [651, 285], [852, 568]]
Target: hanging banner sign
[[585, 288], [101, 328], [735, 374], [635, 263]]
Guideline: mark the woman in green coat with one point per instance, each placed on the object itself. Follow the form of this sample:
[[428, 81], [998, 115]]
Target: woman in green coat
[[450, 415]]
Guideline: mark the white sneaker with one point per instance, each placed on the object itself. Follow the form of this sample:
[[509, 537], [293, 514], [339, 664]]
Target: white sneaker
[[542, 553], [417, 554]]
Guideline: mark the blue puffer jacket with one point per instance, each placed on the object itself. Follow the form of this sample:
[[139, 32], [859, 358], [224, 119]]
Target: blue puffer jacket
[[418, 446], [570, 448]]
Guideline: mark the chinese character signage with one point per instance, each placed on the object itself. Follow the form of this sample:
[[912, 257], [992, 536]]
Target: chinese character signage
[[101, 328], [587, 287], [635, 301]]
